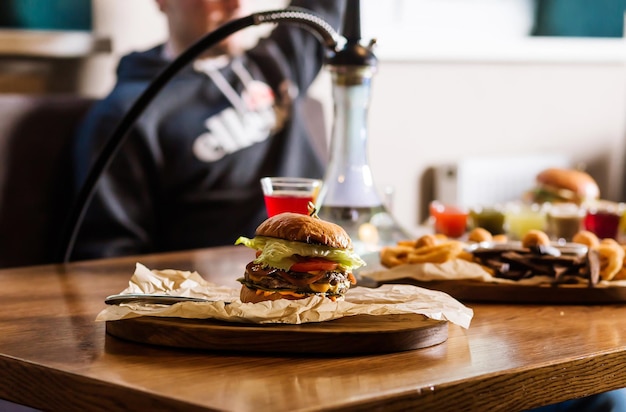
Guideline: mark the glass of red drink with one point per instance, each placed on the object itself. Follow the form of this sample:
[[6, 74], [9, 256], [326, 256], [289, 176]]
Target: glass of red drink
[[449, 220], [289, 194]]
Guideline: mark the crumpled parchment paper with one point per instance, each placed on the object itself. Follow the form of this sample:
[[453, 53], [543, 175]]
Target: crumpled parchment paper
[[387, 299], [459, 269]]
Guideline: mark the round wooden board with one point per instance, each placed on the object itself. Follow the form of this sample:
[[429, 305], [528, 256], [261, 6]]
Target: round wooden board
[[350, 335], [474, 291]]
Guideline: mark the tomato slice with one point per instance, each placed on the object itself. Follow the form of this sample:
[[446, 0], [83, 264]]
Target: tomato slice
[[314, 264]]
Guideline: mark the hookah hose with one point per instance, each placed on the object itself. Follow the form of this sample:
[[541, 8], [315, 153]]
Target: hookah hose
[[301, 17]]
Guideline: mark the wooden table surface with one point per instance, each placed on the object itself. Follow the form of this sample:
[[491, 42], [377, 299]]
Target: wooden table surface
[[54, 356]]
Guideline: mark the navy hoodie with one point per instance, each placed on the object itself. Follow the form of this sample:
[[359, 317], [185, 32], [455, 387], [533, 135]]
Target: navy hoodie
[[188, 174]]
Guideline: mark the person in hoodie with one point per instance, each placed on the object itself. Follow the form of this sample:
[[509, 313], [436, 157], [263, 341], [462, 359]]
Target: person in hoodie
[[188, 174]]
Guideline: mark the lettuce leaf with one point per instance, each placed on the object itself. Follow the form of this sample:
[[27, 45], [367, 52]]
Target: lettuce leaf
[[278, 253]]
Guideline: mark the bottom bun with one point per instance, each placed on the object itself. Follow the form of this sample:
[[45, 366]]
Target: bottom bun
[[248, 295]]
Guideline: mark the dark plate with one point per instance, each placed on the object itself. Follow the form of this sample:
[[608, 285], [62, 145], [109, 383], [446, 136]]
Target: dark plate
[[561, 247]]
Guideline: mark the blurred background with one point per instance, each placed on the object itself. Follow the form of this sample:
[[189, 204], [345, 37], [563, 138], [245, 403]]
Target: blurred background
[[478, 92]]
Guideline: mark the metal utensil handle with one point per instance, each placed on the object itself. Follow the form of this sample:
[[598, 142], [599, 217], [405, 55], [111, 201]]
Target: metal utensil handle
[[154, 299]]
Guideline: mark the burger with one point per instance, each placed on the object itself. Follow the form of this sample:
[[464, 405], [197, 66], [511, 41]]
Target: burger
[[298, 256], [557, 185]]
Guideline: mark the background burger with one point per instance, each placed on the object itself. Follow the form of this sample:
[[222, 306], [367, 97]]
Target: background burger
[[298, 256], [556, 185]]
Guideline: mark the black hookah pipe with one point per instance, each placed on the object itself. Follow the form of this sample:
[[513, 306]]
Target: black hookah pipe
[[352, 53]]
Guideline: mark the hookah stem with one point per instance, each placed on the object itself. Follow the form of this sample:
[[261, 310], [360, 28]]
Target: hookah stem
[[306, 19], [352, 21]]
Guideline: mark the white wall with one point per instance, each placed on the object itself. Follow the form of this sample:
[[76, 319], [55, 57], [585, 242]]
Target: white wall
[[439, 102], [425, 114]]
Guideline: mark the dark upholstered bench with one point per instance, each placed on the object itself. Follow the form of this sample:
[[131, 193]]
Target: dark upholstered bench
[[35, 173]]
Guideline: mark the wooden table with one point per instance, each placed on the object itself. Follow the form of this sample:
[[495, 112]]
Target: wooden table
[[54, 356]]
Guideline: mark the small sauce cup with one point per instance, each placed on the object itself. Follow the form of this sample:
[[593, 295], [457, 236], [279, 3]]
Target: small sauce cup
[[603, 218], [490, 218], [564, 220], [520, 218], [449, 220]]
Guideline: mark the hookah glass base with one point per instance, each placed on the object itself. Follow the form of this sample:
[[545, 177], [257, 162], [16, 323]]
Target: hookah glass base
[[370, 228]]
